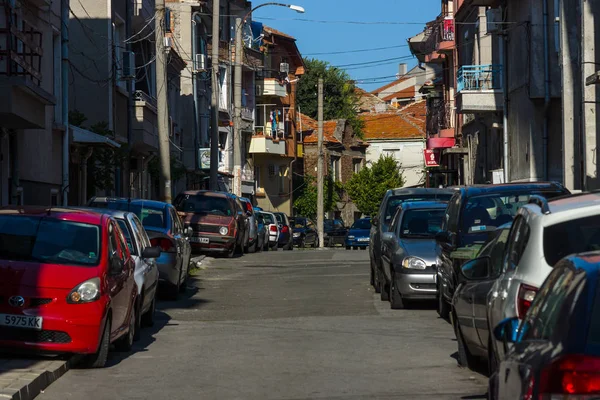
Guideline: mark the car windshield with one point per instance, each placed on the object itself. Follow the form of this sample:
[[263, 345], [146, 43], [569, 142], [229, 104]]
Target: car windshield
[[299, 223], [268, 218], [482, 214], [49, 240], [423, 223], [203, 204], [280, 218], [361, 224], [395, 201], [151, 217], [127, 234], [575, 236]]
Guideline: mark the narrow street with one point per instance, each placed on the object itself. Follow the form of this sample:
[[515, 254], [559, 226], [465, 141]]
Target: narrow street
[[285, 325]]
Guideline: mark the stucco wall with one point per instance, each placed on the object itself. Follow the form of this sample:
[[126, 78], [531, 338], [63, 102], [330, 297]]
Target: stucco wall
[[408, 154]]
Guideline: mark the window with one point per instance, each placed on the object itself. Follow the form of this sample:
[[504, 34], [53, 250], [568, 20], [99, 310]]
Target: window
[[282, 178], [517, 243], [357, 165], [136, 234], [118, 47], [122, 244], [177, 228], [335, 170], [497, 252], [271, 170], [421, 223], [145, 241], [127, 234], [452, 214], [204, 204], [395, 201], [257, 179], [361, 224], [575, 236]]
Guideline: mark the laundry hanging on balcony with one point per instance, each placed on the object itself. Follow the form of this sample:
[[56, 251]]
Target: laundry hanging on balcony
[[274, 118]]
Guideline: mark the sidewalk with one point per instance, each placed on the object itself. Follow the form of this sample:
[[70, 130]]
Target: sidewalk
[[24, 379]]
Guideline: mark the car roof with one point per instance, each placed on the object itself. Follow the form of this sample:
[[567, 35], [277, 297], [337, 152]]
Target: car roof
[[580, 200], [475, 190], [113, 213], [412, 205], [214, 193], [137, 202], [67, 214], [421, 191]]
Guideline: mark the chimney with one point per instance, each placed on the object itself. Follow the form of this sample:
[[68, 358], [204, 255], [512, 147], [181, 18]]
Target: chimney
[[402, 69]]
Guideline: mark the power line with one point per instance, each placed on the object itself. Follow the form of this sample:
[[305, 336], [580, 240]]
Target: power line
[[356, 51]]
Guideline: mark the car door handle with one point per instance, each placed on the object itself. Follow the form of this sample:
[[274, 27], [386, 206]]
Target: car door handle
[[504, 295]]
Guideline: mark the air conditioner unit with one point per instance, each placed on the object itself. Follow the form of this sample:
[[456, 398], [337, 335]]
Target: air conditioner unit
[[128, 65], [284, 68], [494, 20], [259, 90], [200, 63]]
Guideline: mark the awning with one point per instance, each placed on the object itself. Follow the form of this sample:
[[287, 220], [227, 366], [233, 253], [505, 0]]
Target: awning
[[83, 136]]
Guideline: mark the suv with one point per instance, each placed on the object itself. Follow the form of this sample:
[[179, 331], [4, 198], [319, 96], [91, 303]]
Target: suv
[[543, 233], [381, 222], [216, 219], [473, 215]]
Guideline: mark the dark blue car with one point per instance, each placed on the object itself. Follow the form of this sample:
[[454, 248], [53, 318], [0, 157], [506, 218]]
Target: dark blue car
[[358, 234]]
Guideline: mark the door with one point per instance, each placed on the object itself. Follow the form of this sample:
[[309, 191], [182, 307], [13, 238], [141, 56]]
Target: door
[[181, 241], [117, 280], [148, 267]]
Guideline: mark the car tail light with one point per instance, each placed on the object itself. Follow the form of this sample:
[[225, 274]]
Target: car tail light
[[285, 229], [571, 375], [273, 228], [248, 207], [164, 243], [526, 295]]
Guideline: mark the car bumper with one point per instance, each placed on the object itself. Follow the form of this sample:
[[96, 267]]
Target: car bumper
[[356, 243], [216, 244], [74, 329], [167, 268], [417, 286]]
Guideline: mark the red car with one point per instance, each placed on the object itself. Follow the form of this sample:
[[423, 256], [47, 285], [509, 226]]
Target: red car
[[66, 283]]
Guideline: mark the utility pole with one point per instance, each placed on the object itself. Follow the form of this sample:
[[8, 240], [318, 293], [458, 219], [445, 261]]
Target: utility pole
[[237, 110], [214, 101], [162, 109], [320, 210]]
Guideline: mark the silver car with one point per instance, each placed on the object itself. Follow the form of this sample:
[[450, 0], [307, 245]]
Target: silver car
[[272, 229], [410, 253], [543, 232], [144, 256]]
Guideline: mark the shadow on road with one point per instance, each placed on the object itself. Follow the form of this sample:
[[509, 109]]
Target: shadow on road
[[475, 397]]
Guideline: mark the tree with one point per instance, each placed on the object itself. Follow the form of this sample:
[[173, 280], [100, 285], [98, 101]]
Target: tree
[[306, 203], [367, 188], [340, 98]]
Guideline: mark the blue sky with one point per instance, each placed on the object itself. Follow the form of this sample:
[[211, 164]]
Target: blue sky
[[403, 19]]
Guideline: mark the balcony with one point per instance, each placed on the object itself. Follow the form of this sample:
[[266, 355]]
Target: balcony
[[247, 114], [270, 87], [441, 37], [144, 129], [462, 5], [479, 88], [439, 118], [267, 145], [273, 121]]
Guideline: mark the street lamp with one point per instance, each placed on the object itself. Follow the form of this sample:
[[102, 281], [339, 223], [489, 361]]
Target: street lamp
[[237, 94]]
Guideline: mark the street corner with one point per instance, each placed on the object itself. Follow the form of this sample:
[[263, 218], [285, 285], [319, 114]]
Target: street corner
[[24, 379]]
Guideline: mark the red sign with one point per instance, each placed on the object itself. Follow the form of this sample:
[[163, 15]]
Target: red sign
[[432, 158]]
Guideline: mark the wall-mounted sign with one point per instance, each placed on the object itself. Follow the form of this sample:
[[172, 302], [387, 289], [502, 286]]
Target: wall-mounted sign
[[204, 158], [432, 158]]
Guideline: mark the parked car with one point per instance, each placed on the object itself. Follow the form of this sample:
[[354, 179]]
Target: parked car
[[263, 232], [305, 232], [543, 233], [286, 238], [380, 223], [67, 283], [244, 224], [470, 301], [409, 254], [216, 221], [252, 226], [273, 229], [334, 232], [473, 215], [555, 352], [358, 234], [144, 257], [165, 230]]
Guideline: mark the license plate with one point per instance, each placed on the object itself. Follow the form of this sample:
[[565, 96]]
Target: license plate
[[202, 240], [21, 321], [363, 239]]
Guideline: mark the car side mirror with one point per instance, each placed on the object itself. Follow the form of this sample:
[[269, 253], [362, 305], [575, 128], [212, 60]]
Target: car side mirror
[[375, 221], [151, 252], [507, 330], [477, 269], [388, 237], [188, 232], [116, 265]]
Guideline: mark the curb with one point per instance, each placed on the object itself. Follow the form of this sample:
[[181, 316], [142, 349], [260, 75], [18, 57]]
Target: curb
[[23, 379]]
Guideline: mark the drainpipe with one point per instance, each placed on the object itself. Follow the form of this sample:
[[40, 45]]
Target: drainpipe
[[196, 20], [84, 172], [64, 32], [504, 52], [546, 93]]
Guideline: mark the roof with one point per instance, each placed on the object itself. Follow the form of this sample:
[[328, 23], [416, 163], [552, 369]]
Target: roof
[[275, 32], [389, 85], [405, 93], [120, 214], [212, 193], [328, 133], [412, 205], [140, 202], [307, 123], [475, 190], [407, 123], [579, 201], [420, 191], [67, 214]]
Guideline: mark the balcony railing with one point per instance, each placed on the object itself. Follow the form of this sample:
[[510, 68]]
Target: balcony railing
[[247, 114], [140, 95], [439, 116], [272, 120], [479, 77], [440, 30]]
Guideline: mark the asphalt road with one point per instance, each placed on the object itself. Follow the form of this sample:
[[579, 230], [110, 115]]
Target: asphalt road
[[286, 325]]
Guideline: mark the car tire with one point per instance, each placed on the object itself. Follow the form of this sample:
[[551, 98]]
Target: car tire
[[148, 317], [396, 301], [355, 247], [464, 358], [384, 290], [99, 358], [443, 308], [125, 342]]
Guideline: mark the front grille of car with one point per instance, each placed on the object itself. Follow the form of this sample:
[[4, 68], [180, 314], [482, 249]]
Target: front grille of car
[[206, 228], [37, 302], [25, 335]]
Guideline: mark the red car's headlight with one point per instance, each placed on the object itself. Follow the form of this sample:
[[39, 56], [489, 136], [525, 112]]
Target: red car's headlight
[[85, 292]]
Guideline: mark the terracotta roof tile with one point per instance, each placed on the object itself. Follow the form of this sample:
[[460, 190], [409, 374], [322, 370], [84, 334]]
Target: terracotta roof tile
[[275, 32], [307, 123], [328, 131], [409, 122], [402, 94]]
